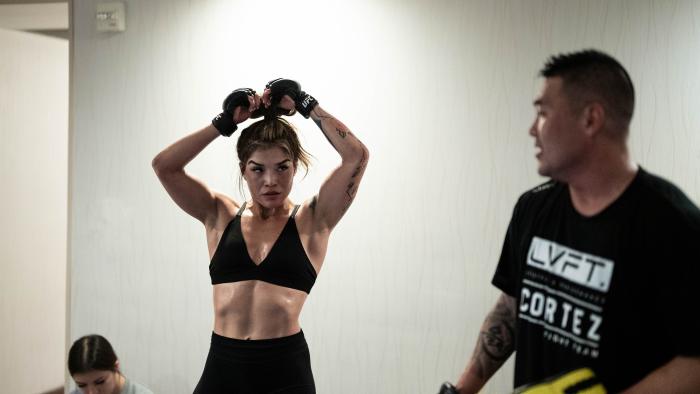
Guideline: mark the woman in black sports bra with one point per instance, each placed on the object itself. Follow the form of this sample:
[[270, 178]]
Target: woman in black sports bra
[[265, 253]]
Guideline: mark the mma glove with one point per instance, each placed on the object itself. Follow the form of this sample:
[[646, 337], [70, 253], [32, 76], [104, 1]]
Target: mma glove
[[304, 103], [224, 121]]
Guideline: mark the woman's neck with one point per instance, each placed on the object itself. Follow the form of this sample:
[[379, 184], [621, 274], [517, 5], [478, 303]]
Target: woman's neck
[[267, 213]]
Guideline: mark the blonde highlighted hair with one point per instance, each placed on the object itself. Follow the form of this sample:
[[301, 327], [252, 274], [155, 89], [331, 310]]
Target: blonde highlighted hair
[[268, 133]]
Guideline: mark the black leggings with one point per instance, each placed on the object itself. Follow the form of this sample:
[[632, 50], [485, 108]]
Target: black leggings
[[278, 365]]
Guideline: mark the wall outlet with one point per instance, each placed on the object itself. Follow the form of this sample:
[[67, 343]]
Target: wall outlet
[[111, 16]]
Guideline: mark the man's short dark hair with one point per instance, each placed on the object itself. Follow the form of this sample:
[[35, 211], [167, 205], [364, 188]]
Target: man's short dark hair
[[591, 75]]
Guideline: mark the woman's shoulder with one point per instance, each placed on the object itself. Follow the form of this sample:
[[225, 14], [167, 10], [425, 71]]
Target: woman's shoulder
[[226, 209], [131, 387], [305, 213], [225, 203]]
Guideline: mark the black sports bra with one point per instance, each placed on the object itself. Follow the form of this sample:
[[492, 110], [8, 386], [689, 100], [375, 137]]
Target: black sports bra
[[285, 265]]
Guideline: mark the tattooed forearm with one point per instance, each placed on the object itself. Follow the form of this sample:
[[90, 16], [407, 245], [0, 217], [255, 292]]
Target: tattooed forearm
[[350, 192], [496, 339], [339, 136], [318, 119], [321, 116], [342, 133], [318, 123]]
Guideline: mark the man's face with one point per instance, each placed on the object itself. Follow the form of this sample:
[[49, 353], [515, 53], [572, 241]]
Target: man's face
[[558, 132]]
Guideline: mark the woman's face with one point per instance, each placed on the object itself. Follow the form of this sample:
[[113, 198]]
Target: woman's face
[[269, 173], [97, 382]]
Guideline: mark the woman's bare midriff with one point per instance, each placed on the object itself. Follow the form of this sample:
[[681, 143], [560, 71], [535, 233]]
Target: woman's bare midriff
[[256, 310]]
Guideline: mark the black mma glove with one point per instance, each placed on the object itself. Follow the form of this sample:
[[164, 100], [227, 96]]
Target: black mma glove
[[272, 111], [224, 121], [303, 102], [448, 388]]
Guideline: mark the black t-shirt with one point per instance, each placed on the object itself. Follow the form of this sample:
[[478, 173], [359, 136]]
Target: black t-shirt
[[616, 292]]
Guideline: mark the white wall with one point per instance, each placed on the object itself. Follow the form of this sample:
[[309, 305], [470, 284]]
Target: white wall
[[440, 92], [53, 16], [33, 213]]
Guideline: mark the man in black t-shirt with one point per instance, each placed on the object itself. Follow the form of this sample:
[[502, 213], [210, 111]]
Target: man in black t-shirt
[[599, 267]]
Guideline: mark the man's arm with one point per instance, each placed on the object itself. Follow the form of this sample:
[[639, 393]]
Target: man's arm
[[680, 375], [495, 344]]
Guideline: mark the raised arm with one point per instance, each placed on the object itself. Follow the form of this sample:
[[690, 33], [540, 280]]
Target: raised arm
[[495, 344], [189, 193], [338, 190]]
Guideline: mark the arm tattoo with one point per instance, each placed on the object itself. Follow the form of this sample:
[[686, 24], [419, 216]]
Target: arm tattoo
[[496, 339], [350, 191], [322, 115], [361, 166], [342, 133], [352, 188], [319, 123]]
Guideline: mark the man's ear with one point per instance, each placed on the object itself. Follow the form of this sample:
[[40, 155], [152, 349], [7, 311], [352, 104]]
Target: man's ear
[[593, 118]]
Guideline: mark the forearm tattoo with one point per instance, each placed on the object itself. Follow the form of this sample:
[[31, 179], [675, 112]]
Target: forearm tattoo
[[352, 186], [322, 115], [360, 167], [496, 339], [319, 123]]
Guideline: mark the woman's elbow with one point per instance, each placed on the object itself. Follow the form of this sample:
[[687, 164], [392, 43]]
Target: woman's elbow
[[359, 154], [365, 153], [156, 164], [362, 154], [159, 165]]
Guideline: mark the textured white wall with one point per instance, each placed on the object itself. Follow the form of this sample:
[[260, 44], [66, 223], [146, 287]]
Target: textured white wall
[[33, 210], [440, 92]]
